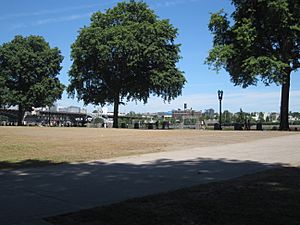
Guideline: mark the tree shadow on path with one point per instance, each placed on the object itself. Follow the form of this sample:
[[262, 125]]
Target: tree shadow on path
[[31, 193], [29, 163]]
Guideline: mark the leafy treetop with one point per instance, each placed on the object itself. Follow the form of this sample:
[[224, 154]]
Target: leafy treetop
[[28, 73], [126, 52], [264, 41]]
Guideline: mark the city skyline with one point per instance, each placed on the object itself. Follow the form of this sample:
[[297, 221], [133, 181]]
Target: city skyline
[[64, 108], [59, 22]]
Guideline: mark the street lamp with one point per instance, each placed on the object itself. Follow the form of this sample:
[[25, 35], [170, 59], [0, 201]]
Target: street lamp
[[220, 96]]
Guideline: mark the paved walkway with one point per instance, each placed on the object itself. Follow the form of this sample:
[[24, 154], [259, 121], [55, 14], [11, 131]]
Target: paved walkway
[[28, 195]]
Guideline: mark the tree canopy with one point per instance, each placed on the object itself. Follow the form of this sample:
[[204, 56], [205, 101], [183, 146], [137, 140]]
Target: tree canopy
[[28, 74], [126, 53], [261, 41]]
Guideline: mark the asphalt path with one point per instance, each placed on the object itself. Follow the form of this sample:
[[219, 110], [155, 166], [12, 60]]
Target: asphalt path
[[29, 195]]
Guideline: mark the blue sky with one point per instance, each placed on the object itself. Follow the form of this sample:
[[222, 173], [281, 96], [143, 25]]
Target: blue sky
[[59, 21]]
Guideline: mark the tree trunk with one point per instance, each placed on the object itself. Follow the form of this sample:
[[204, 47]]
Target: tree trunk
[[116, 111], [284, 108], [21, 113]]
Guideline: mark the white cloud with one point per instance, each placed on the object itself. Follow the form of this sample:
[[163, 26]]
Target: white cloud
[[52, 20], [62, 19], [53, 11], [74, 16], [18, 26], [170, 3]]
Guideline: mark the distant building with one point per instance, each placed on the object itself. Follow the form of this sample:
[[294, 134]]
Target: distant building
[[209, 112], [166, 116], [83, 111], [72, 109], [62, 109], [53, 108], [187, 113]]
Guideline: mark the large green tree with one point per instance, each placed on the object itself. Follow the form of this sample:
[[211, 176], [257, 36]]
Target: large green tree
[[28, 74], [3, 91], [261, 41], [126, 53]]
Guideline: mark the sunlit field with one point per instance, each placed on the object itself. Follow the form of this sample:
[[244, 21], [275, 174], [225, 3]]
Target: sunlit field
[[57, 145]]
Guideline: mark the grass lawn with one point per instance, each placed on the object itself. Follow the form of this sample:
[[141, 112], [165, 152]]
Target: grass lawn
[[37, 146], [266, 198]]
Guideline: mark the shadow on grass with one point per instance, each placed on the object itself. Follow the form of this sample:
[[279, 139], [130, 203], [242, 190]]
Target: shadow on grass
[[53, 190], [27, 164], [271, 197]]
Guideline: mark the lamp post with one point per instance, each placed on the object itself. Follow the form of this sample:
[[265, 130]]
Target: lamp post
[[220, 97]]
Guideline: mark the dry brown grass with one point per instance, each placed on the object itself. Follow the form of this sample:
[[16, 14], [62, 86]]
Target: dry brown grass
[[57, 145]]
